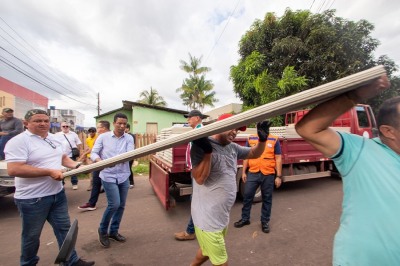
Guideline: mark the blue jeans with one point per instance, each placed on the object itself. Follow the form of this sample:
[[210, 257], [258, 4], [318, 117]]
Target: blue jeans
[[116, 198], [190, 226], [266, 182], [74, 178], [34, 213], [3, 141], [94, 194]]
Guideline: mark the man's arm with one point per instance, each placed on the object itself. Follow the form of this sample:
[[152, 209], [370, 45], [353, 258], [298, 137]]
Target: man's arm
[[244, 174], [278, 166], [201, 171], [21, 169], [314, 127]]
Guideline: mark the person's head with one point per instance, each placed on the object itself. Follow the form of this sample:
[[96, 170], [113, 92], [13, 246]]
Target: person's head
[[388, 120], [7, 113], [65, 127], [92, 132], [227, 137], [194, 118], [120, 121], [103, 126], [37, 121], [127, 128]]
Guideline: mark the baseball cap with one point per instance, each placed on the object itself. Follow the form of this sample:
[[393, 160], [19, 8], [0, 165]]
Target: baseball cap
[[7, 110], [195, 113], [224, 116], [92, 129], [33, 112]]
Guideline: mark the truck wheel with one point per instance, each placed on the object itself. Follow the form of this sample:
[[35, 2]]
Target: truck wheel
[[257, 196]]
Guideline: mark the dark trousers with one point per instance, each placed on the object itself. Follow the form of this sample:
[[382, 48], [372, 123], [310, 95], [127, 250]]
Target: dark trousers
[[131, 180], [94, 193]]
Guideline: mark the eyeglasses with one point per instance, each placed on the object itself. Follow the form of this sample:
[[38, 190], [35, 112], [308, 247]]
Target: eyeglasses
[[50, 143], [65, 126]]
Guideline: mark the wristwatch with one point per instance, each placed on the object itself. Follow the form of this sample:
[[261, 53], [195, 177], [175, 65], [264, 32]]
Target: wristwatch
[[78, 164]]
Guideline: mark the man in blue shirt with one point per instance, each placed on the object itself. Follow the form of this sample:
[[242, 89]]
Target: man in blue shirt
[[114, 179], [369, 232]]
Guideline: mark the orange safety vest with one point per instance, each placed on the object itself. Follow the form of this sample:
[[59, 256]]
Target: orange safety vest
[[266, 162]]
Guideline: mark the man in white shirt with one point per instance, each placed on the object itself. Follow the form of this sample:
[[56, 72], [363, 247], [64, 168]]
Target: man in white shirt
[[72, 141]]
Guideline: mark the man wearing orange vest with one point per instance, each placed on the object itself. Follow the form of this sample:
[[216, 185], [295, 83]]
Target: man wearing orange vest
[[264, 171]]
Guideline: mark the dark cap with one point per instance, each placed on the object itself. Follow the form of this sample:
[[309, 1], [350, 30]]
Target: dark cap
[[92, 129], [33, 112], [195, 113], [224, 116], [7, 110]]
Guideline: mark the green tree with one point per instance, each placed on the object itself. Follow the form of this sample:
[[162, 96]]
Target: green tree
[[196, 92], [300, 50], [152, 98]]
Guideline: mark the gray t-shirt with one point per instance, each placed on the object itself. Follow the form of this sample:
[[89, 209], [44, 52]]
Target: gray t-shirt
[[212, 201]]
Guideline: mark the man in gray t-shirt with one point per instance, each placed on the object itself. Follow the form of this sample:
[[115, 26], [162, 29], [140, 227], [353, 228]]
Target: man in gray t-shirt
[[214, 161]]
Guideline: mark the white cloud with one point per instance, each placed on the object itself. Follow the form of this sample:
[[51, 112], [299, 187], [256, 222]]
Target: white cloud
[[121, 48]]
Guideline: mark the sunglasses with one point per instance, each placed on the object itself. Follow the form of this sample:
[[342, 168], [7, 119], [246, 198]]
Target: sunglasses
[[65, 126], [50, 143]]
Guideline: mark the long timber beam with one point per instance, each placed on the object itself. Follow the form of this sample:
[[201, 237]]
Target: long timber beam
[[300, 100]]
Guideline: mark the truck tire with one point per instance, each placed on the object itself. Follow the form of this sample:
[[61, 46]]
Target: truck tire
[[257, 196]]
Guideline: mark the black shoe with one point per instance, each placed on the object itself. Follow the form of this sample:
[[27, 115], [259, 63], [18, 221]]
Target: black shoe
[[241, 223], [117, 237], [81, 262], [103, 239], [265, 227]]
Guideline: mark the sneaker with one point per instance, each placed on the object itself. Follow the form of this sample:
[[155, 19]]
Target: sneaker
[[241, 223], [87, 207], [131, 186], [182, 236], [89, 189], [81, 262], [265, 227], [117, 237], [74, 187], [103, 239]]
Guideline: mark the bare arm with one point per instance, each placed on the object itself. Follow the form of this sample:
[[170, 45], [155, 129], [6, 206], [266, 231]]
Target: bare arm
[[256, 150], [278, 166], [201, 171], [314, 127], [68, 162], [244, 174], [21, 169]]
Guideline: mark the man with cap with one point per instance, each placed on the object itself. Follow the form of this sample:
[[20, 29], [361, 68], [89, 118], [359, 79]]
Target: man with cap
[[214, 172], [10, 126], [263, 172], [194, 119]]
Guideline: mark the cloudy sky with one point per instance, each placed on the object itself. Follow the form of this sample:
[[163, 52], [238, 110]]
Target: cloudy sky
[[117, 49]]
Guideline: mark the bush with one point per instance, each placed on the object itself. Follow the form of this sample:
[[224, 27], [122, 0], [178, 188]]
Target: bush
[[141, 168]]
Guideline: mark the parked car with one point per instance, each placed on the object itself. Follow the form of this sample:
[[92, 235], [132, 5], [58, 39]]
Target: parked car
[[7, 185]]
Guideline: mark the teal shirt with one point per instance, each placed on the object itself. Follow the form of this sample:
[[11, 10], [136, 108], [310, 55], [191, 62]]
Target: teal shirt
[[369, 232]]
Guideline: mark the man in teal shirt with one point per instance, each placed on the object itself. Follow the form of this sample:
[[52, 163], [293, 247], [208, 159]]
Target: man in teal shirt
[[369, 232]]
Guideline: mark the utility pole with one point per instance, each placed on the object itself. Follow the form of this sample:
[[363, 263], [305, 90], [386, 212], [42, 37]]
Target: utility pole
[[98, 103]]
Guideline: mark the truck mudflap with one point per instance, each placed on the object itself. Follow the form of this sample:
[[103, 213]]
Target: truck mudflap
[[159, 180]]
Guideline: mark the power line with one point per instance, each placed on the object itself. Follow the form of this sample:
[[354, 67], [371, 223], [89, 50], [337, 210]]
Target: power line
[[10, 64], [40, 57], [229, 18]]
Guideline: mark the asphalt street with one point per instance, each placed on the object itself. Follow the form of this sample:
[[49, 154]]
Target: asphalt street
[[305, 217]]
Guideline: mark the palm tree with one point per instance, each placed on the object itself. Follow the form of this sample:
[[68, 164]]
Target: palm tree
[[195, 90], [152, 98]]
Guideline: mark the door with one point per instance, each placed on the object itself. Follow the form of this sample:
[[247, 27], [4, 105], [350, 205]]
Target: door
[[152, 128]]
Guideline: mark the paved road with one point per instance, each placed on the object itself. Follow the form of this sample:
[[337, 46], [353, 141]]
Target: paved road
[[305, 217]]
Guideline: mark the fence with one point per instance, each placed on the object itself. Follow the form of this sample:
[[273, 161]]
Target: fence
[[141, 140]]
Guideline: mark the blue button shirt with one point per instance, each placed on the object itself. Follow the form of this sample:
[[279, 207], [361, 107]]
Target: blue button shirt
[[108, 145]]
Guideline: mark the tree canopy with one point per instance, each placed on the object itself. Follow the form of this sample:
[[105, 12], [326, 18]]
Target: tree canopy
[[301, 50], [152, 98], [196, 92]]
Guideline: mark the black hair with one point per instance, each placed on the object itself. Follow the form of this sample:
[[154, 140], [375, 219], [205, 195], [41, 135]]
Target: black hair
[[128, 126], [389, 113], [105, 124], [120, 115]]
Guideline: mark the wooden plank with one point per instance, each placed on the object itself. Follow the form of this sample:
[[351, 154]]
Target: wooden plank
[[269, 110]]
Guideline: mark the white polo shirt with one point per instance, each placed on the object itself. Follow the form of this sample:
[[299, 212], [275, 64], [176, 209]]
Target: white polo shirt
[[34, 150]]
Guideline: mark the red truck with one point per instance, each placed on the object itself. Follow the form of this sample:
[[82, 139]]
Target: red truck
[[171, 179]]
